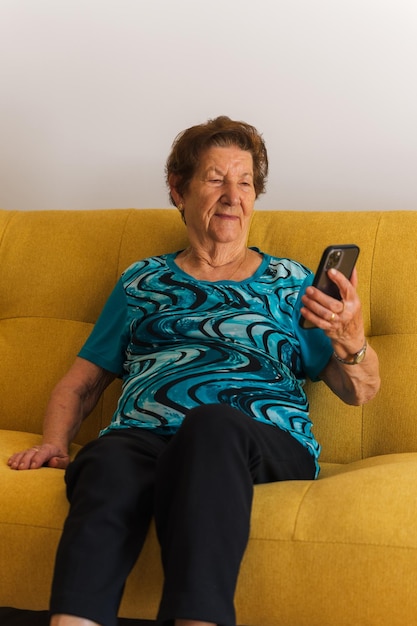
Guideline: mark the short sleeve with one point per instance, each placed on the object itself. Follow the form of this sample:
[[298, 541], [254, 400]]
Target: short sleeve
[[106, 345], [316, 347]]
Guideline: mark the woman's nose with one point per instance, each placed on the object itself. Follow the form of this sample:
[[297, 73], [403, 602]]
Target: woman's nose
[[231, 194]]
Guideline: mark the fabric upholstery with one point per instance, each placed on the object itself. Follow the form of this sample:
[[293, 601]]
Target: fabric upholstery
[[340, 550]]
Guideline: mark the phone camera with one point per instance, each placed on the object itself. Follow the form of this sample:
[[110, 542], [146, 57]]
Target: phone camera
[[333, 259]]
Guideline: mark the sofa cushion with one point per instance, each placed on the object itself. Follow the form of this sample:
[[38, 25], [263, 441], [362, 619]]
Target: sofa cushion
[[328, 533]]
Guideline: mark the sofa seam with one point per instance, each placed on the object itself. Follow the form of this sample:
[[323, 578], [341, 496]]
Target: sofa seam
[[25, 525], [377, 229], [307, 490], [44, 317], [371, 333], [11, 216], [333, 542], [119, 270]]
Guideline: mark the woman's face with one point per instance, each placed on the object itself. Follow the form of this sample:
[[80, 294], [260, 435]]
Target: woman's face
[[219, 200]]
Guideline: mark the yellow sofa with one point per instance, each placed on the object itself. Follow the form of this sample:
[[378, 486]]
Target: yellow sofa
[[339, 551]]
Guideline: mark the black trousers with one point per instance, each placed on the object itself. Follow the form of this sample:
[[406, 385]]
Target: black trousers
[[198, 484]]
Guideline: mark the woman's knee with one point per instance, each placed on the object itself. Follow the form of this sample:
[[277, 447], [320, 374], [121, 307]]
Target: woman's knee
[[95, 461], [100, 467]]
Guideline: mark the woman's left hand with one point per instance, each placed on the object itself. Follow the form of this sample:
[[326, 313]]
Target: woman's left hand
[[341, 320]]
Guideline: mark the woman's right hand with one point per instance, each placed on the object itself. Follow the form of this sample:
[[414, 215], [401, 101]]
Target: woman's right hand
[[38, 456], [72, 399]]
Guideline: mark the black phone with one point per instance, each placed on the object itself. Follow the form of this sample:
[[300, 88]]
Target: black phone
[[342, 258]]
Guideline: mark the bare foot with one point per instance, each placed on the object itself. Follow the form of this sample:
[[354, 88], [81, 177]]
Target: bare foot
[[71, 620]]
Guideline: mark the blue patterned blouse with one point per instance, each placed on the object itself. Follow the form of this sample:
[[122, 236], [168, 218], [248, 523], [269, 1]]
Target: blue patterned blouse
[[178, 342]]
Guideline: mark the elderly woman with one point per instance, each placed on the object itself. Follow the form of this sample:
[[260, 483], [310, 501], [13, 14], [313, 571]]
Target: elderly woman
[[213, 361]]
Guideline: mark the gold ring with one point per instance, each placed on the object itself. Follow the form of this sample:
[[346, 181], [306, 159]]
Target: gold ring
[[333, 317]]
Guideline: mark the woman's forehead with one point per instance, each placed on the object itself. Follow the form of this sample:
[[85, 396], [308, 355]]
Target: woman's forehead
[[224, 159]]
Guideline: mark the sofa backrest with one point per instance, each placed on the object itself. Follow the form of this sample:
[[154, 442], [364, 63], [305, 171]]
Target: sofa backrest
[[58, 267]]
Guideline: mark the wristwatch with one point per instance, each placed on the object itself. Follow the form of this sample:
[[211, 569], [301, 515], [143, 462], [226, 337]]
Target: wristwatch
[[358, 357]]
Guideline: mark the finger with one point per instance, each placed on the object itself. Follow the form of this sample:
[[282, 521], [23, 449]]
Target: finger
[[22, 460], [59, 462], [43, 456], [347, 288], [32, 458], [321, 304], [14, 461], [38, 459], [354, 278]]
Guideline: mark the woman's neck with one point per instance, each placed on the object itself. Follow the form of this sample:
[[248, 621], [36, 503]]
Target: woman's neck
[[236, 264]]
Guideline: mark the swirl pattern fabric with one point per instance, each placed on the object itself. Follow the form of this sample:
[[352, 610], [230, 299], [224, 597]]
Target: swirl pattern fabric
[[191, 342]]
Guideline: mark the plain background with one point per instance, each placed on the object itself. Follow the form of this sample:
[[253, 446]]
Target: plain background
[[92, 93]]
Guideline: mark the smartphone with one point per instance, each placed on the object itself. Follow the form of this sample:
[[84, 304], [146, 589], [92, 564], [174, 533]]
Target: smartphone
[[342, 258]]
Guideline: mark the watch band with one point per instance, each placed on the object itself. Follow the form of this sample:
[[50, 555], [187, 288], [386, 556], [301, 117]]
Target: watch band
[[358, 357]]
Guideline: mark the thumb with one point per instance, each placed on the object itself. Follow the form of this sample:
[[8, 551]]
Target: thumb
[[59, 462]]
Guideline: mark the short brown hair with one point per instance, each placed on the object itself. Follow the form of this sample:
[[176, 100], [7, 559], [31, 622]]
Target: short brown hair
[[221, 131]]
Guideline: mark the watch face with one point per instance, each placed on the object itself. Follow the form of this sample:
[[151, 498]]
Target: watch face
[[359, 357]]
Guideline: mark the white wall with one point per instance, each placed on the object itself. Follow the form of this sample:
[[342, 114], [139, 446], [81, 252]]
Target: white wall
[[92, 93]]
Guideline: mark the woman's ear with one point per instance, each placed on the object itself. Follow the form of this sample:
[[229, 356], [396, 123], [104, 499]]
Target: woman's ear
[[172, 181]]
